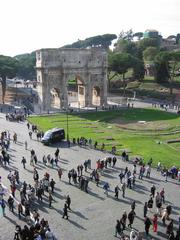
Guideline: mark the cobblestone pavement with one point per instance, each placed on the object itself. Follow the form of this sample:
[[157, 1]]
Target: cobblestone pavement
[[93, 215]]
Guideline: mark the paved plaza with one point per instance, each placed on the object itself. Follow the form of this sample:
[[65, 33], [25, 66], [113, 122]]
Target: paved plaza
[[93, 214]]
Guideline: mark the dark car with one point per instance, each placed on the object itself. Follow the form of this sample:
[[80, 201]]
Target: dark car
[[53, 135]]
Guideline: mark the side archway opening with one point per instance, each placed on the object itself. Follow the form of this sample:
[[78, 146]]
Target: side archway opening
[[96, 99]]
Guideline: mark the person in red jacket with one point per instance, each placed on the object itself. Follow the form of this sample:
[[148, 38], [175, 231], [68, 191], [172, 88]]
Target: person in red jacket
[[155, 218]]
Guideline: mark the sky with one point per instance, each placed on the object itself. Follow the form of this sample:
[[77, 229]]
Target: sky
[[28, 25]]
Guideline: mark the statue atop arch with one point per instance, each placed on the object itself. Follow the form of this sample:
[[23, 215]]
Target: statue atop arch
[[55, 67]]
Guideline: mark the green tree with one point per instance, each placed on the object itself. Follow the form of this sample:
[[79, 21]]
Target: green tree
[[177, 38], [149, 42], [139, 35], [128, 35], [95, 41], [126, 46], [26, 69], [8, 68], [162, 67], [174, 60], [149, 53], [138, 69], [119, 63], [166, 64]]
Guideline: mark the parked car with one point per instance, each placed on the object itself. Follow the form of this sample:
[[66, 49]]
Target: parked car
[[53, 136]]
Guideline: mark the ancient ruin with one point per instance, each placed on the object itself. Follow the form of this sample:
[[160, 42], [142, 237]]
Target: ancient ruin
[[57, 67]]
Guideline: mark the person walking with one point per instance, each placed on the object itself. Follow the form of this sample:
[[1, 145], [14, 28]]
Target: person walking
[[3, 206], [17, 233], [153, 189], [118, 229], [169, 228], [11, 204], [97, 178], [131, 216], [123, 220], [23, 161], [65, 211], [59, 173], [50, 198], [150, 203], [13, 189], [154, 220], [162, 194], [123, 188], [106, 187], [116, 190], [68, 202], [133, 205], [121, 175], [25, 144], [69, 176], [145, 209], [147, 224], [57, 153], [20, 210], [52, 184]]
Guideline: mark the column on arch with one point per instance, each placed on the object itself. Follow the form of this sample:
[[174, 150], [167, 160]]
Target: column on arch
[[88, 90], [46, 95], [103, 90], [63, 91]]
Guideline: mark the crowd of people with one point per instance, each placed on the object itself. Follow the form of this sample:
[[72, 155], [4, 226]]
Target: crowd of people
[[38, 228]]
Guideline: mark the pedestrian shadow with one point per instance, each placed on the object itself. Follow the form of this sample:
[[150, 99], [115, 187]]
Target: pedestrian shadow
[[140, 218], [141, 187], [174, 207], [110, 170], [67, 183], [30, 171], [95, 195], [40, 205], [10, 220], [150, 181], [137, 190], [19, 143], [132, 199], [58, 210], [63, 159], [57, 189], [10, 167], [79, 214], [119, 169], [11, 150], [77, 224], [175, 212], [57, 195], [107, 175], [162, 235], [121, 200], [63, 162], [40, 165]]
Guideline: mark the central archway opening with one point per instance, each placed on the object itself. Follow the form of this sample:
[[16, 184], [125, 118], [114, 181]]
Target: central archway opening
[[76, 91]]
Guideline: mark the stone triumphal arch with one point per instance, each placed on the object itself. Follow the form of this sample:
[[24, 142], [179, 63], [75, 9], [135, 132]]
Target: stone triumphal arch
[[55, 67]]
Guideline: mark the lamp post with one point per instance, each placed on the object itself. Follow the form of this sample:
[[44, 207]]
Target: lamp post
[[67, 124]]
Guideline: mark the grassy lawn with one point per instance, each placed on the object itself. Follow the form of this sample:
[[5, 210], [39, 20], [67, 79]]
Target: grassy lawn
[[121, 128]]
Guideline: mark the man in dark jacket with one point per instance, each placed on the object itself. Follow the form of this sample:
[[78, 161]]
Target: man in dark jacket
[[118, 229], [65, 211], [147, 224], [131, 216]]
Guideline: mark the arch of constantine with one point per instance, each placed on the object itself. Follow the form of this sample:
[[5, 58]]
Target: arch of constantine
[[56, 67]]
